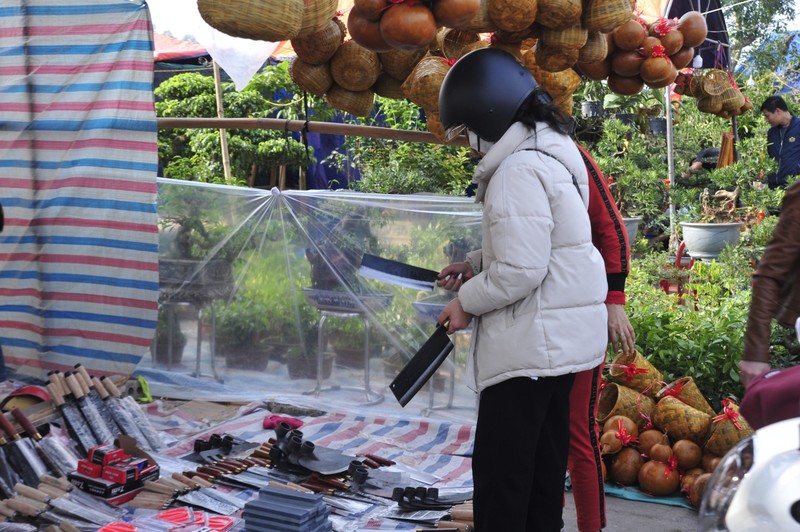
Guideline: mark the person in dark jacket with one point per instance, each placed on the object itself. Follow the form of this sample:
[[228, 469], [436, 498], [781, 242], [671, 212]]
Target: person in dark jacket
[[776, 288], [783, 140]]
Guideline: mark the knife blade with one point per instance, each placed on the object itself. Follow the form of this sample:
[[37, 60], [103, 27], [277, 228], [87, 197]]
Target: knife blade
[[93, 418], [126, 423], [90, 391], [33, 438], [397, 273], [422, 366], [24, 460], [129, 404], [73, 420]]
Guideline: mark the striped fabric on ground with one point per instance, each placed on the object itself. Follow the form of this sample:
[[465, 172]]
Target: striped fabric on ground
[[78, 161]]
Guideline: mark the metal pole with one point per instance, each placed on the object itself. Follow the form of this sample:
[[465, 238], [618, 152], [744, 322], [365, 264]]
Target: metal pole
[[673, 229]]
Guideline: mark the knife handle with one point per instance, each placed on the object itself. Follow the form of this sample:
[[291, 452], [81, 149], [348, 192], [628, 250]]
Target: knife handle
[[24, 506], [55, 394], [73, 385], [6, 511], [111, 388], [83, 376], [31, 493], [8, 427], [101, 389], [52, 491], [26, 424], [60, 483]]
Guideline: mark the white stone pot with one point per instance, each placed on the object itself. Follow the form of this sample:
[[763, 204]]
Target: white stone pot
[[707, 240]]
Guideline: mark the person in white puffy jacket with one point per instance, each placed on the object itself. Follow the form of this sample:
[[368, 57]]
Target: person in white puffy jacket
[[536, 289]]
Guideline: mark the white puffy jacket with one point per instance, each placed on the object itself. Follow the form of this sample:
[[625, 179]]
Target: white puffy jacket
[[539, 296]]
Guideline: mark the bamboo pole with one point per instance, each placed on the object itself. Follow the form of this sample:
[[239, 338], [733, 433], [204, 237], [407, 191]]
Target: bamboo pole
[[223, 137], [325, 128]]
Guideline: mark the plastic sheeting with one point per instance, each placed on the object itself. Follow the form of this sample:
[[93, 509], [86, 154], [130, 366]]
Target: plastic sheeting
[[263, 267]]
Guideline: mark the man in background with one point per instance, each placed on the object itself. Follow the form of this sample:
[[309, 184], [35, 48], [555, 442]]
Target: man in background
[[783, 140]]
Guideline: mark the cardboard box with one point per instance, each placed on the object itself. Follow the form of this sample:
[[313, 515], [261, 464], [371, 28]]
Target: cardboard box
[[85, 467]]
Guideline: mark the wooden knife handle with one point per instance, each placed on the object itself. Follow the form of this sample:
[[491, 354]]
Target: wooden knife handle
[[26, 424], [111, 388], [24, 506], [8, 427], [101, 389], [61, 483], [55, 393], [6, 511], [86, 380], [31, 493], [73, 385]]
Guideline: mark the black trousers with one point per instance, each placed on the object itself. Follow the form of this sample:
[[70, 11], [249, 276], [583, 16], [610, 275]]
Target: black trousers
[[520, 456]]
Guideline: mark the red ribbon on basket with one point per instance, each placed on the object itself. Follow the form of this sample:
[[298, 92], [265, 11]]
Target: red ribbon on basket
[[623, 436], [630, 370], [674, 390], [728, 413], [648, 421]]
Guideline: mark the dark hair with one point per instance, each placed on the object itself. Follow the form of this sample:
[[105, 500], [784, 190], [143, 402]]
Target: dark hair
[[539, 107], [774, 103]]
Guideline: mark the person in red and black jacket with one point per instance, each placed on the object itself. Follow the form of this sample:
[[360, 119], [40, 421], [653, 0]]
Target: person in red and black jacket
[[584, 460]]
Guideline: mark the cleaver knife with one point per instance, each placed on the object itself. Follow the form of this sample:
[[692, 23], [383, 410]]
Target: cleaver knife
[[397, 273], [422, 366]]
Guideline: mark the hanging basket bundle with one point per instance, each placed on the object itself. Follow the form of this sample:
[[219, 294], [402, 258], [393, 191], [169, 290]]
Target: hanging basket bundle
[[605, 15], [558, 14], [572, 37], [400, 63], [480, 22], [389, 87], [595, 49], [358, 103], [314, 79], [319, 46], [434, 125], [354, 67], [512, 15], [554, 59], [317, 13], [262, 20], [451, 42], [422, 85]]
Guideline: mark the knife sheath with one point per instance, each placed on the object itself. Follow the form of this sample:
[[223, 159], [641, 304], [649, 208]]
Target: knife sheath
[[422, 366]]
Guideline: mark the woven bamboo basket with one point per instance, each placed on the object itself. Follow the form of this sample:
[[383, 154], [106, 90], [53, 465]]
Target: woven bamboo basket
[[687, 391], [450, 42], [474, 46], [556, 83], [512, 15], [616, 399], [732, 100], [595, 49], [715, 82], [316, 15], [558, 14], [513, 49], [554, 59], [262, 20], [354, 67], [573, 37], [318, 47], [358, 103], [636, 372], [727, 429], [434, 124], [514, 37], [481, 22], [709, 104], [389, 87], [605, 15], [681, 421], [564, 103], [400, 63], [422, 85], [314, 79]]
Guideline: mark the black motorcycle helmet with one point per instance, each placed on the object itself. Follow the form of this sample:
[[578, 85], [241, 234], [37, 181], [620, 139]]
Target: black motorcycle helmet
[[483, 91]]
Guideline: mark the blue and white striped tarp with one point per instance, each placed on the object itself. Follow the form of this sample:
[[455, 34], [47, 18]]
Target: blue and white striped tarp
[[78, 161]]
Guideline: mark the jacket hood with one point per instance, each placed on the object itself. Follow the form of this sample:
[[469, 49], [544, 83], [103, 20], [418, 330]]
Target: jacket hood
[[511, 141]]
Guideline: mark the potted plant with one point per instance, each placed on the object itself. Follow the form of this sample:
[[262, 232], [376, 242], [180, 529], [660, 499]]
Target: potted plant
[[591, 97]]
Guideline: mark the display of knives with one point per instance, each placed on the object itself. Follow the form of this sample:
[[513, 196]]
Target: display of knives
[[93, 418], [90, 391], [23, 458], [59, 461], [73, 420], [66, 506], [126, 423], [8, 477], [40, 513], [127, 402], [61, 487]]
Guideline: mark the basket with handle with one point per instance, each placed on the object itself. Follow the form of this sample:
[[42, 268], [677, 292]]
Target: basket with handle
[[319, 46]]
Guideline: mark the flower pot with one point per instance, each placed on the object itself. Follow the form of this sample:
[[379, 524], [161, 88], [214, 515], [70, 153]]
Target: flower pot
[[161, 352], [349, 357], [658, 126], [592, 108], [632, 227], [305, 367], [247, 357], [625, 118], [707, 240]]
